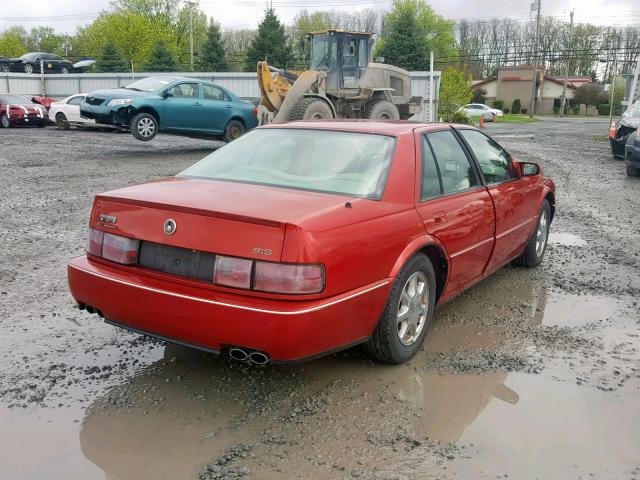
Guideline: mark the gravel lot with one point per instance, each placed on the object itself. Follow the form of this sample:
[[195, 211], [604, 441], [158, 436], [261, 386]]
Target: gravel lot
[[530, 374]]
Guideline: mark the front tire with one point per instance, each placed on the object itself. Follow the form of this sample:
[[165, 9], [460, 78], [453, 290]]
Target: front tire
[[61, 122], [28, 68], [409, 310], [4, 121], [632, 171], [381, 110], [144, 127], [4, 68], [311, 108], [537, 245], [233, 131]]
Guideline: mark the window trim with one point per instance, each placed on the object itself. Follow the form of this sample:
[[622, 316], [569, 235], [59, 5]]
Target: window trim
[[470, 159], [477, 162]]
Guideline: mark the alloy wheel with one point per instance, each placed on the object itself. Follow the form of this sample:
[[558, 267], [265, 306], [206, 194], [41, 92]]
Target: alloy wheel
[[28, 68], [146, 127], [5, 121], [542, 233], [413, 308]]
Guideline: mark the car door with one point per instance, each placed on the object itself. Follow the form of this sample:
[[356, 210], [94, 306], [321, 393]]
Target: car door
[[217, 108], [516, 198], [454, 205], [72, 108], [181, 108], [50, 62]]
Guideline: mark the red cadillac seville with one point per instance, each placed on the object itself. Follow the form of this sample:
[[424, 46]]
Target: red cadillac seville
[[302, 239]]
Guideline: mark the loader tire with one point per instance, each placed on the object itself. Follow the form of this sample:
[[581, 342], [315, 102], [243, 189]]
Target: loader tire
[[311, 108], [381, 110]]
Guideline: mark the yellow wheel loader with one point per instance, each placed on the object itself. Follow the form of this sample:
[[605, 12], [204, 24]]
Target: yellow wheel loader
[[341, 83]]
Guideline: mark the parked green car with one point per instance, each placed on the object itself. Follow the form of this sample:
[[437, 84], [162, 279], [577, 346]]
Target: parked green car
[[181, 105]]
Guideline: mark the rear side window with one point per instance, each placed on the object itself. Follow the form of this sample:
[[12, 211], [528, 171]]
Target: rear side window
[[75, 101], [213, 93], [494, 161], [431, 186], [456, 172]]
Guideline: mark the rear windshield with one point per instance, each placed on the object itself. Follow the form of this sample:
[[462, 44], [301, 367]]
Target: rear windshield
[[15, 100], [354, 164]]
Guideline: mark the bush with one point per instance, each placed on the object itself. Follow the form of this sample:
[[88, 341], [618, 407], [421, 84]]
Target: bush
[[515, 106], [604, 109], [556, 110], [523, 111], [498, 104], [506, 110], [575, 109], [461, 117]]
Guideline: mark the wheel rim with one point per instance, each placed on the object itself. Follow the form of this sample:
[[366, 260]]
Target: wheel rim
[[413, 308], [28, 68], [60, 121], [234, 132], [384, 116], [541, 233], [5, 121], [65, 70], [146, 127]]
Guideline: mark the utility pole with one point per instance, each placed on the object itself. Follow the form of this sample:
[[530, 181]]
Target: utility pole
[[532, 107], [566, 68], [613, 83], [191, 4], [632, 93]]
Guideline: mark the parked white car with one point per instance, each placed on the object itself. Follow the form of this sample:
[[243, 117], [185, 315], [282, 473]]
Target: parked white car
[[67, 112], [478, 109]]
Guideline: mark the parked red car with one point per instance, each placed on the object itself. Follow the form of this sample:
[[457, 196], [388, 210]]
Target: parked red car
[[301, 239], [19, 110]]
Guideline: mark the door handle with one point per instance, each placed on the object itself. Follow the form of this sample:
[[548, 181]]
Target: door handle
[[197, 104], [228, 106], [440, 216]]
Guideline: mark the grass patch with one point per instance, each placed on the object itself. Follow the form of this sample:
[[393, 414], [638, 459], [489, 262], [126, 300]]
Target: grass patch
[[511, 118]]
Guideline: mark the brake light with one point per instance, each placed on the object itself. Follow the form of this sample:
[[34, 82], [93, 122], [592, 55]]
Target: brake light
[[94, 246], [255, 111], [287, 278], [232, 272]]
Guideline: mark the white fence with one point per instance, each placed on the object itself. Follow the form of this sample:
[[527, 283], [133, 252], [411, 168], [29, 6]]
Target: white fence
[[245, 85]]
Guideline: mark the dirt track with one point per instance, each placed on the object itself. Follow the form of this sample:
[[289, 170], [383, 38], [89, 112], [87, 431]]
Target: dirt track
[[531, 374]]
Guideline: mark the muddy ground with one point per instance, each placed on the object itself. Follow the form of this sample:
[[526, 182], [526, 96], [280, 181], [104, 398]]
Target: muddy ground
[[530, 374]]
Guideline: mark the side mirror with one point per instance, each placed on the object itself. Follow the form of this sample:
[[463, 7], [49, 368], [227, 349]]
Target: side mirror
[[166, 94], [529, 169]]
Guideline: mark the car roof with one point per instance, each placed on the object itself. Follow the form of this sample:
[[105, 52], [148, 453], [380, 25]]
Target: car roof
[[385, 127]]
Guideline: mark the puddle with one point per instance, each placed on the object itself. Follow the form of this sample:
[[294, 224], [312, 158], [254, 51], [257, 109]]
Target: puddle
[[566, 239]]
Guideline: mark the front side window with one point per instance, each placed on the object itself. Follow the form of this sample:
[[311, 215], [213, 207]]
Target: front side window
[[209, 92], [184, 90], [456, 171], [495, 162], [354, 164]]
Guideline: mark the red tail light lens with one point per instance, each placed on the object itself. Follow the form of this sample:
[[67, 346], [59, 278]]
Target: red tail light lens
[[120, 249], [232, 272], [286, 278], [94, 247]]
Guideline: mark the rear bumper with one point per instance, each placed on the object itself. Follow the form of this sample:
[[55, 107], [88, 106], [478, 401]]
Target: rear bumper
[[288, 331]]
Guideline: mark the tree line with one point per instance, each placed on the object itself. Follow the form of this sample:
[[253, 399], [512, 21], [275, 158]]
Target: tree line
[[154, 35]]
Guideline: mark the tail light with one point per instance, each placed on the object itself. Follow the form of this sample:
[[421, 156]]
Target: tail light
[[232, 272], [113, 247], [287, 278], [255, 111]]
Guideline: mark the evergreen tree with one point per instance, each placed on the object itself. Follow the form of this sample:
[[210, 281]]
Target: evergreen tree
[[110, 60], [270, 43], [162, 59], [212, 58], [412, 30]]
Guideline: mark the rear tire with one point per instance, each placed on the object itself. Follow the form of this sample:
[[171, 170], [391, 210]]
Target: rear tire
[[388, 343], [537, 244], [28, 68], [61, 122], [144, 127], [233, 131], [311, 108], [381, 110], [632, 171], [4, 121], [64, 70]]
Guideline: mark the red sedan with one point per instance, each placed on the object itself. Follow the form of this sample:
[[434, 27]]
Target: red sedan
[[302, 239], [19, 110]]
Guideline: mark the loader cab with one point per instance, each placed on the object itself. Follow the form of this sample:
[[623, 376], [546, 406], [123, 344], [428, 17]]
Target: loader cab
[[343, 55]]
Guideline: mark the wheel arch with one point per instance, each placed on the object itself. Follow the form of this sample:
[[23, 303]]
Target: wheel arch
[[551, 198], [437, 255], [146, 109], [324, 99], [239, 119]]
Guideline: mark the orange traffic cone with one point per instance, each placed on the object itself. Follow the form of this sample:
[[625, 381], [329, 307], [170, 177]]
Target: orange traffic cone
[[612, 130], [481, 122]]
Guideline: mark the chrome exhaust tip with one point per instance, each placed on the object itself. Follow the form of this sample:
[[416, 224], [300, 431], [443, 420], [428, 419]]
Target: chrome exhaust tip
[[238, 354], [259, 358]]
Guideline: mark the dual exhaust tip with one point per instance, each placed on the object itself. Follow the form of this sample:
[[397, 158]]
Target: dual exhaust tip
[[90, 309], [254, 356]]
